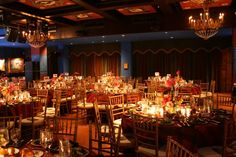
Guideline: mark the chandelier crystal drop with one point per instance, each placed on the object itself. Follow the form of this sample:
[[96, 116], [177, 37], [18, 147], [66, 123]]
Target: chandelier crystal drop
[[206, 27], [35, 36]]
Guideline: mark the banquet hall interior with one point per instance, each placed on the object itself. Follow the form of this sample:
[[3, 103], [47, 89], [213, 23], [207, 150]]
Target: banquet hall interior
[[122, 78]]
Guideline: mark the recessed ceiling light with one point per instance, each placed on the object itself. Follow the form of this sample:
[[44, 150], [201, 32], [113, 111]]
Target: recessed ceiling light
[[82, 16], [172, 37], [135, 10], [123, 35], [103, 41], [166, 32], [103, 36]]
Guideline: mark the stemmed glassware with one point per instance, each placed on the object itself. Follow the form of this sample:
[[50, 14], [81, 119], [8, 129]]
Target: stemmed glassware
[[46, 138], [4, 137], [15, 135]]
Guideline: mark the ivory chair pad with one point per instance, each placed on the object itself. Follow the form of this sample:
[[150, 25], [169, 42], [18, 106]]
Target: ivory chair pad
[[10, 124], [127, 142], [130, 105], [151, 152], [37, 121], [209, 151], [117, 122], [87, 105]]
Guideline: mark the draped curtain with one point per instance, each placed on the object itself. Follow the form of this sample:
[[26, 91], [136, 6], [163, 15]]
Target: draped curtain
[[96, 60], [199, 65], [195, 63]]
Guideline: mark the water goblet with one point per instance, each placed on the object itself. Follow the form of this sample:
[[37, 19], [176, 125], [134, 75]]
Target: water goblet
[[46, 139], [15, 135], [4, 137]]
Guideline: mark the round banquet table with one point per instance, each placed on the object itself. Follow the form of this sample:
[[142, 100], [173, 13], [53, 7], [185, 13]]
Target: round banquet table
[[193, 136], [92, 96]]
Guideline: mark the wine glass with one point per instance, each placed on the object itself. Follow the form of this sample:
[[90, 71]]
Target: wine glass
[[4, 137], [15, 135], [64, 148], [46, 138]]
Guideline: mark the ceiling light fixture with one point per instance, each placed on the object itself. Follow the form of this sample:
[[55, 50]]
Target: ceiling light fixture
[[206, 27], [37, 34]]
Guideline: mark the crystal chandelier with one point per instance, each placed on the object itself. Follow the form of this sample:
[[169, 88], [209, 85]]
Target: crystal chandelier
[[206, 27], [35, 35]]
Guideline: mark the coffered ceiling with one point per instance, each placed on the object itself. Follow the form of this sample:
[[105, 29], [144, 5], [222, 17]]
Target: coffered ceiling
[[76, 18]]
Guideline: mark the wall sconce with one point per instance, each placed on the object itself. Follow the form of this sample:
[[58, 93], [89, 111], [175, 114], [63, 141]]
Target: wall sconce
[[126, 66]]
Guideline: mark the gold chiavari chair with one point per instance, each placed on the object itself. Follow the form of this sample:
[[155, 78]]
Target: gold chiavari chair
[[11, 122], [117, 138], [175, 149], [204, 87], [116, 107], [64, 101], [146, 136], [150, 96], [186, 94], [224, 101], [35, 121], [228, 148], [98, 139], [84, 106], [64, 127], [131, 100]]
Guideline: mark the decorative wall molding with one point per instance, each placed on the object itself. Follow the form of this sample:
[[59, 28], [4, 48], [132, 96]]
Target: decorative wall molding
[[176, 50], [109, 53]]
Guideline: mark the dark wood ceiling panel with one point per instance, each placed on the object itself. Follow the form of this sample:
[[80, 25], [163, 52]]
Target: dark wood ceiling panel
[[145, 9], [191, 5], [103, 17], [47, 4]]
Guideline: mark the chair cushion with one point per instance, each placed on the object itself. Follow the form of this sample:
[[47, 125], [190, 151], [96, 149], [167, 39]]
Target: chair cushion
[[127, 142], [37, 121], [9, 124], [87, 105], [117, 122], [63, 99], [102, 107], [130, 105], [151, 152], [209, 151], [120, 105]]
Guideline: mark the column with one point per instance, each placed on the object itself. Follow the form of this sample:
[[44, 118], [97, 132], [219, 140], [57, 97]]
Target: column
[[234, 54], [63, 60], [36, 68], [33, 65], [126, 59], [43, 60]]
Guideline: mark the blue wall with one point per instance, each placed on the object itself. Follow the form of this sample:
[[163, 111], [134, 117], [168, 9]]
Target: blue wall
[[126, 57]]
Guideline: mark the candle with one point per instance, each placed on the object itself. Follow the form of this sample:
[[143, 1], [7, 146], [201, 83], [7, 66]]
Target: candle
[[188, 111], [161, 112], [182, 110]]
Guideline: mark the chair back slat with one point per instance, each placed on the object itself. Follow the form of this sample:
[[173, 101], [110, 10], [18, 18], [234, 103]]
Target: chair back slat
[[174, 149], [146, 132]]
